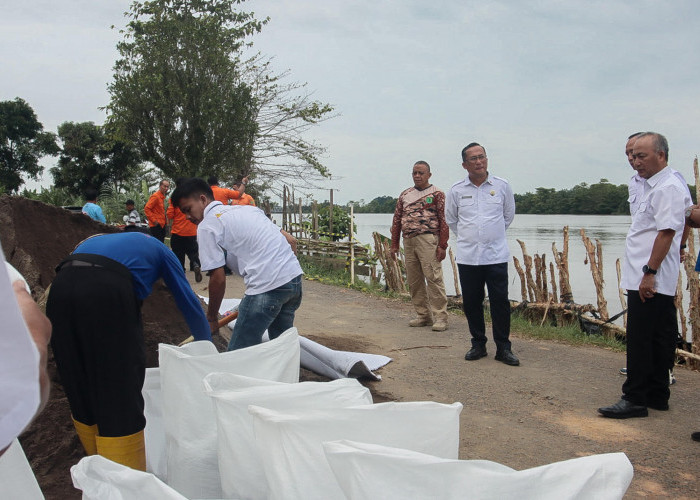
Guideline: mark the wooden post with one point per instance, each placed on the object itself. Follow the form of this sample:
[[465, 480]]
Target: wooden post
[[314, 220], [621, 293], [554, 281], [596, 263], [455, 273], [330, 216], [531, 286], [562, 261], [284, 209], [352, 244], [301, 221], [523, 284], [678, 301]]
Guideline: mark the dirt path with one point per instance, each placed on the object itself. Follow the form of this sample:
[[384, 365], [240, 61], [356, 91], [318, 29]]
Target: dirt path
[[541, 412]]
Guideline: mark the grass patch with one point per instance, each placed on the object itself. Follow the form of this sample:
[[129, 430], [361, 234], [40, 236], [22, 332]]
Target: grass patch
[[339, 277], [570, 334]]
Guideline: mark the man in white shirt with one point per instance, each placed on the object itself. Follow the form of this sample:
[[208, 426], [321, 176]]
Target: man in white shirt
[[479, 209], [650, 276], [245, 240]]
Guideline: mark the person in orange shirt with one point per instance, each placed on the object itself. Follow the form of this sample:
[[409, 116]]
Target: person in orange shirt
[[155, 211], [183, 239], [245, 198], [224, 195]]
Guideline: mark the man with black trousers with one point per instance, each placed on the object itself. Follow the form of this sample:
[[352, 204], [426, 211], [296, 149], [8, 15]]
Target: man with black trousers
[[478, 210]]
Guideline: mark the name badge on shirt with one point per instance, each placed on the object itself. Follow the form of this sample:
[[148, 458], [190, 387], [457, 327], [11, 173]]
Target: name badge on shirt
[[466, 196]]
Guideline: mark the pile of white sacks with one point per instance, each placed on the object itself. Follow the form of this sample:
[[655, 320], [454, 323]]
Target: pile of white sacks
[[240, 425]]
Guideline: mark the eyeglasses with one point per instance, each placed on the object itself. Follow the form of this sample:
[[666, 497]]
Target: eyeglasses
[[472, 159]]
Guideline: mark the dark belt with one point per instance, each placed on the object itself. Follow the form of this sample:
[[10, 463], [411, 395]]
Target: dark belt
[[94, 260]]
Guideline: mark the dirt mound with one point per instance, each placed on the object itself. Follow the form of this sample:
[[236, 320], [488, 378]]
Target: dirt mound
[[35, 238]]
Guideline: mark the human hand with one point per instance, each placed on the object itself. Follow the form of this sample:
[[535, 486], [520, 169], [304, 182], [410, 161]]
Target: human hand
[[440, 254], [647, 287], [394, 251]]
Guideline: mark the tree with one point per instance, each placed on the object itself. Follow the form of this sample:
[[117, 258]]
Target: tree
[[177, 92], [91, 157], [284, 111], [341, 222], [22, 142]]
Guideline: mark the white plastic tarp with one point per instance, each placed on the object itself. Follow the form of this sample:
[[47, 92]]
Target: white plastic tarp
[[102, 479], [373, 471], [323, 360], [154, 433], [17, 481], [188, 414], [240, 465], [290, 442]]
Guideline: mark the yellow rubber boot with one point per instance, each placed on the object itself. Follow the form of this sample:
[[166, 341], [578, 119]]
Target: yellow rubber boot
[[87, 434], [125, 450]]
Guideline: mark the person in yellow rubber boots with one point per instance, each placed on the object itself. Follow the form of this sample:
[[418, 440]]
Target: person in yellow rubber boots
[[95, 308]]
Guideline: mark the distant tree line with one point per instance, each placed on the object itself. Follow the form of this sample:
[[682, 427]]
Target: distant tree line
[[601, 198]]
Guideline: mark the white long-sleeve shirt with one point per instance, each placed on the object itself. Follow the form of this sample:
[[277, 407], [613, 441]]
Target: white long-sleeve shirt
[[479, 216]]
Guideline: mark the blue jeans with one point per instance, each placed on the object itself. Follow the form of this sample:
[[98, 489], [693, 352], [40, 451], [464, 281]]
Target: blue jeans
[[272, 311]]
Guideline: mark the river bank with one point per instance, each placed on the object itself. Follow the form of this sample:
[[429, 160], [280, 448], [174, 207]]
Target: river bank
[[540, 412]]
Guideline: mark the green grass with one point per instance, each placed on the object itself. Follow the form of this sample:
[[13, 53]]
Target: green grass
[[570, 334], [567, 334]]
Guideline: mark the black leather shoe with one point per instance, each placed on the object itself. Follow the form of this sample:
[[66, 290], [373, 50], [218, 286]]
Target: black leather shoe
[[475, 353], [508, 358], [695, 436], [660, 406], [624, 409]]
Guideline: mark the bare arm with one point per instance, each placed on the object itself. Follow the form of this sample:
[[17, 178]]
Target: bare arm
[[217, 288], [291, 240]]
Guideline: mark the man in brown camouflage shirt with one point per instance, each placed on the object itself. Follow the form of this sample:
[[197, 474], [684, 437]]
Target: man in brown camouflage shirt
[[420, 215]]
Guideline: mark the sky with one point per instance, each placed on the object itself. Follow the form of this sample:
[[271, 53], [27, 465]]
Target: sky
[[551, 88]]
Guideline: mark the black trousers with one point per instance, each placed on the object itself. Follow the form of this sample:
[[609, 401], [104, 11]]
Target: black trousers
[[472, 280], [97, 342], [185, 245], [158, 232], [652, 329]]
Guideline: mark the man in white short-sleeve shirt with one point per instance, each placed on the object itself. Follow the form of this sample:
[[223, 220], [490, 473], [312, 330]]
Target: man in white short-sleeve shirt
[[478, 210], [245, 240], [650, 276]]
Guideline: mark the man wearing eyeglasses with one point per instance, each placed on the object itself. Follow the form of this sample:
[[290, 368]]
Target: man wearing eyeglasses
[[479, 209]]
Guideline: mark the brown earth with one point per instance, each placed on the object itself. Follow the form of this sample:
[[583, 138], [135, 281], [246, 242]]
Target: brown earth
[[538, 413]]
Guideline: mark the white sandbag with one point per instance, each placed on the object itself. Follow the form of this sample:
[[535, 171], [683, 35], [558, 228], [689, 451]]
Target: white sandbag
[[154, 433], [102, 479], [290, 442], [190, 424], [373, 471], [17, 481], [240, 465]]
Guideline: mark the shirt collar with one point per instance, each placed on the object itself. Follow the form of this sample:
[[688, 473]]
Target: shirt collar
[[487, 181], [658, 176], [210, 207]]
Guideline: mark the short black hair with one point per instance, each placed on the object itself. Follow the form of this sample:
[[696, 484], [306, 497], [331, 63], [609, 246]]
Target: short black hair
[[471, 145], [213, 180], [129, 202], [421, 162], [189, 188], [90, 194]]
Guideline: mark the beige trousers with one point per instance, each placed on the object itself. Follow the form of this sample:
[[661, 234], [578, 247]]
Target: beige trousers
[[424, 274]]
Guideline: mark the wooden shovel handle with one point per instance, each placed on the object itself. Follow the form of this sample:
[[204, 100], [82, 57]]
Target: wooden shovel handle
[[227, 319]]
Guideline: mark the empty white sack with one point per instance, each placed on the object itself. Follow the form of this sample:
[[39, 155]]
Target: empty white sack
[[102, 479], [372, 471], [240, 465], [290, 442], [188, 414]]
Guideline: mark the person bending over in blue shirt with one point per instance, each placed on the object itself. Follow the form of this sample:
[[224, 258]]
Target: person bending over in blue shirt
[[95, 308]]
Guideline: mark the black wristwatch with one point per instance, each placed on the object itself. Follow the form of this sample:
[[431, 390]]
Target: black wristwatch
[[648, 270]]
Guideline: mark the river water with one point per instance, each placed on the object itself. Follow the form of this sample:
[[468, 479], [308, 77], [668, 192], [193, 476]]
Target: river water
[[539, 232]]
